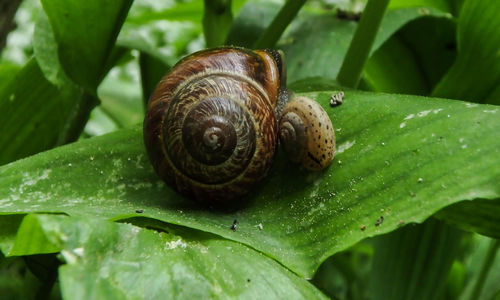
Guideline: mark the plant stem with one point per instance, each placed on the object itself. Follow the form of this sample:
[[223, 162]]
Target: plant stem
[[217, 20], [361, 43], [77, 119], [79, 116], [152, 70], [485, 269], [274, 31]]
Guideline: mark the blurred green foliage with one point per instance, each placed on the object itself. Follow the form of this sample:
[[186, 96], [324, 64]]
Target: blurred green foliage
[[77, 69]]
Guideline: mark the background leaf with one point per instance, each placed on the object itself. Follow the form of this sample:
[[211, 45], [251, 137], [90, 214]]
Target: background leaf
[[8, 230], [251, 22], [392, 68], [411, 263], [36, 113], [326, 38], [345, 275], [414, 59], [474, 264], [7, 72], [45, 49], [479, 216], [476, 71], [451, 6], [104, 258], [85, 33], [16, 281]]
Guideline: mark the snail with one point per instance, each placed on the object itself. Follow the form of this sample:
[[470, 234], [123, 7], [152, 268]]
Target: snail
[[306, 133], [211, 126]]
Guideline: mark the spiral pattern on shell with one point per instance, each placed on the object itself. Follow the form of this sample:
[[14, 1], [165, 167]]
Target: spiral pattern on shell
[[211, 129], [306, 134]]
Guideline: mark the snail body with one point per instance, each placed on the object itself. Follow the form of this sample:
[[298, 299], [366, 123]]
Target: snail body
[[211, 126], [306, 134]]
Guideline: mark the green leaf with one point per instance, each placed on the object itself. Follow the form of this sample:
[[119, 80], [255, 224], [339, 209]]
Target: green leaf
[[400, 157], [411, 263], [449, 6], [384, 73], [17, 100], [476, 71], [85, 32], [104, 258], [16, 281], [433, 42], [9, 225], [76, 112], [415, 59], [494, 97], [313, 84], [345, 275], [45, 49], [30, 240], [479, 216], [184, 11], [191, 11], [7, 72], [317, 44], [443, 5], [455, 281], [36, 114], [251, 22], [474, 264]]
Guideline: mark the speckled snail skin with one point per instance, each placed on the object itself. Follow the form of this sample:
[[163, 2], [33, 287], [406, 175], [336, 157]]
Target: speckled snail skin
[[306, 134], [211, 126]]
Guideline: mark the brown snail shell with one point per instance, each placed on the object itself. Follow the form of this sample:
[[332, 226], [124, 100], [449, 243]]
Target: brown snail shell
[[307, 134], [211, 129]]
